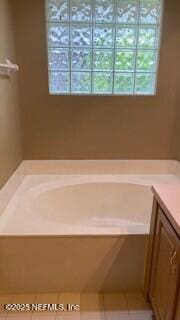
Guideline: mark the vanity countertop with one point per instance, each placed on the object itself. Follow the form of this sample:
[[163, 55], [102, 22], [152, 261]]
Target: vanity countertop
[[168, 196]]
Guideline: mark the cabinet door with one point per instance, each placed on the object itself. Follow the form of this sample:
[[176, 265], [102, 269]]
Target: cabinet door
[[165, 269], [177, 317]]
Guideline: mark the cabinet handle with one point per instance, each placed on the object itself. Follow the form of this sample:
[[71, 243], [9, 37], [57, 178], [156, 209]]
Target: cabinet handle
[[173, 261]]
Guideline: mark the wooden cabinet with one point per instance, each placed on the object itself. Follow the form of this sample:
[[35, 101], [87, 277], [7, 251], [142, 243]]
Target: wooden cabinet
[[163, 269], [177, 316]]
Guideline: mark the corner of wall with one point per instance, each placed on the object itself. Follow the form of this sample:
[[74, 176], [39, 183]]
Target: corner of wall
[[10, 119]]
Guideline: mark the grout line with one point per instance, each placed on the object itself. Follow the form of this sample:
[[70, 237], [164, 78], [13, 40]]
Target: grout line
[[103, 300], [127, 305]]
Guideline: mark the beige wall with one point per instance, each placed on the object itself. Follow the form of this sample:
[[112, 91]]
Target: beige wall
[[178, 109], [178, 142], [10, 132], [177, 128], [92, 127], [176, 63], [177, 122]]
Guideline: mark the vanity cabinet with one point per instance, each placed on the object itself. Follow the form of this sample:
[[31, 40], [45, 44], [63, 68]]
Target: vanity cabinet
[[163, 267], [177, 317]]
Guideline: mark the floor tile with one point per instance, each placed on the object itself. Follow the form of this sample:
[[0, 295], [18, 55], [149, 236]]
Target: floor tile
[[115, 307], [71, 302], [69, 298], [2, 314], [136, 303], [4, 299], [72, 299], [51, 316], [117, 315], [92, 302], [68, 316], [21, 299], [141, 316], [44, 298], [51, 298], [92, 306], [115, 301], [92, 315], [18, 317], [44, 317]]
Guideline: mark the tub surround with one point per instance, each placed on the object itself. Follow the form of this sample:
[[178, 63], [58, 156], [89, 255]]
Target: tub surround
[[168, 197], [48, 245], [72, 264]]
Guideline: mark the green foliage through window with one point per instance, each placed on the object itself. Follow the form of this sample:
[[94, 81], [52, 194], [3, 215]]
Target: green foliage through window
[[103, 46]]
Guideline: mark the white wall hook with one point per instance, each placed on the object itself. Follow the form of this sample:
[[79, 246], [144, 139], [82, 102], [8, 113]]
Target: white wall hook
[[9, 66]]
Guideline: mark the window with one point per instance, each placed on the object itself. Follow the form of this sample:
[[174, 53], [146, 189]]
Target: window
[[103, 46]]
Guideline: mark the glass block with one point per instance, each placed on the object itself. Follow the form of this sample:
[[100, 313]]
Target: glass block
[[58, 35], [81, 10], [81, 59], [146, 60], [59, 82], [103, 36], [148, 37], [81, 82], [126, 37], [127, 11], [125, 60], [103, 60], [150, 12], [58, 10], [145, 83], [102, 82], [124, 83], [58, 59], [81, 35], [104, 10]]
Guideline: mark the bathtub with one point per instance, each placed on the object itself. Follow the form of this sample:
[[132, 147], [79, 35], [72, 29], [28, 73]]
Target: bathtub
[[64, 232]]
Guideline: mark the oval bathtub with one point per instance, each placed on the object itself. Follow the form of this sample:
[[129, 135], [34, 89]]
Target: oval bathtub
[[79, 206], [107, 207]]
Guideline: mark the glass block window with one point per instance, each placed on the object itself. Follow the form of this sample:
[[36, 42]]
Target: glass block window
[[103, 47]]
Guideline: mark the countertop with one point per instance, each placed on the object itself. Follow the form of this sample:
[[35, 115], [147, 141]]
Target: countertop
[[168, 197]]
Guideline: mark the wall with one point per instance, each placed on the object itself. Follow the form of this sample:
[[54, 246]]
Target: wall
[[177, 128], [10, 131], [177, 64], [177, 123], [178, 104], [178, 138], [57, 127]]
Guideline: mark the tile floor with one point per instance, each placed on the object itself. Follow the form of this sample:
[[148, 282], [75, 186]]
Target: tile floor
[[92, 307]]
